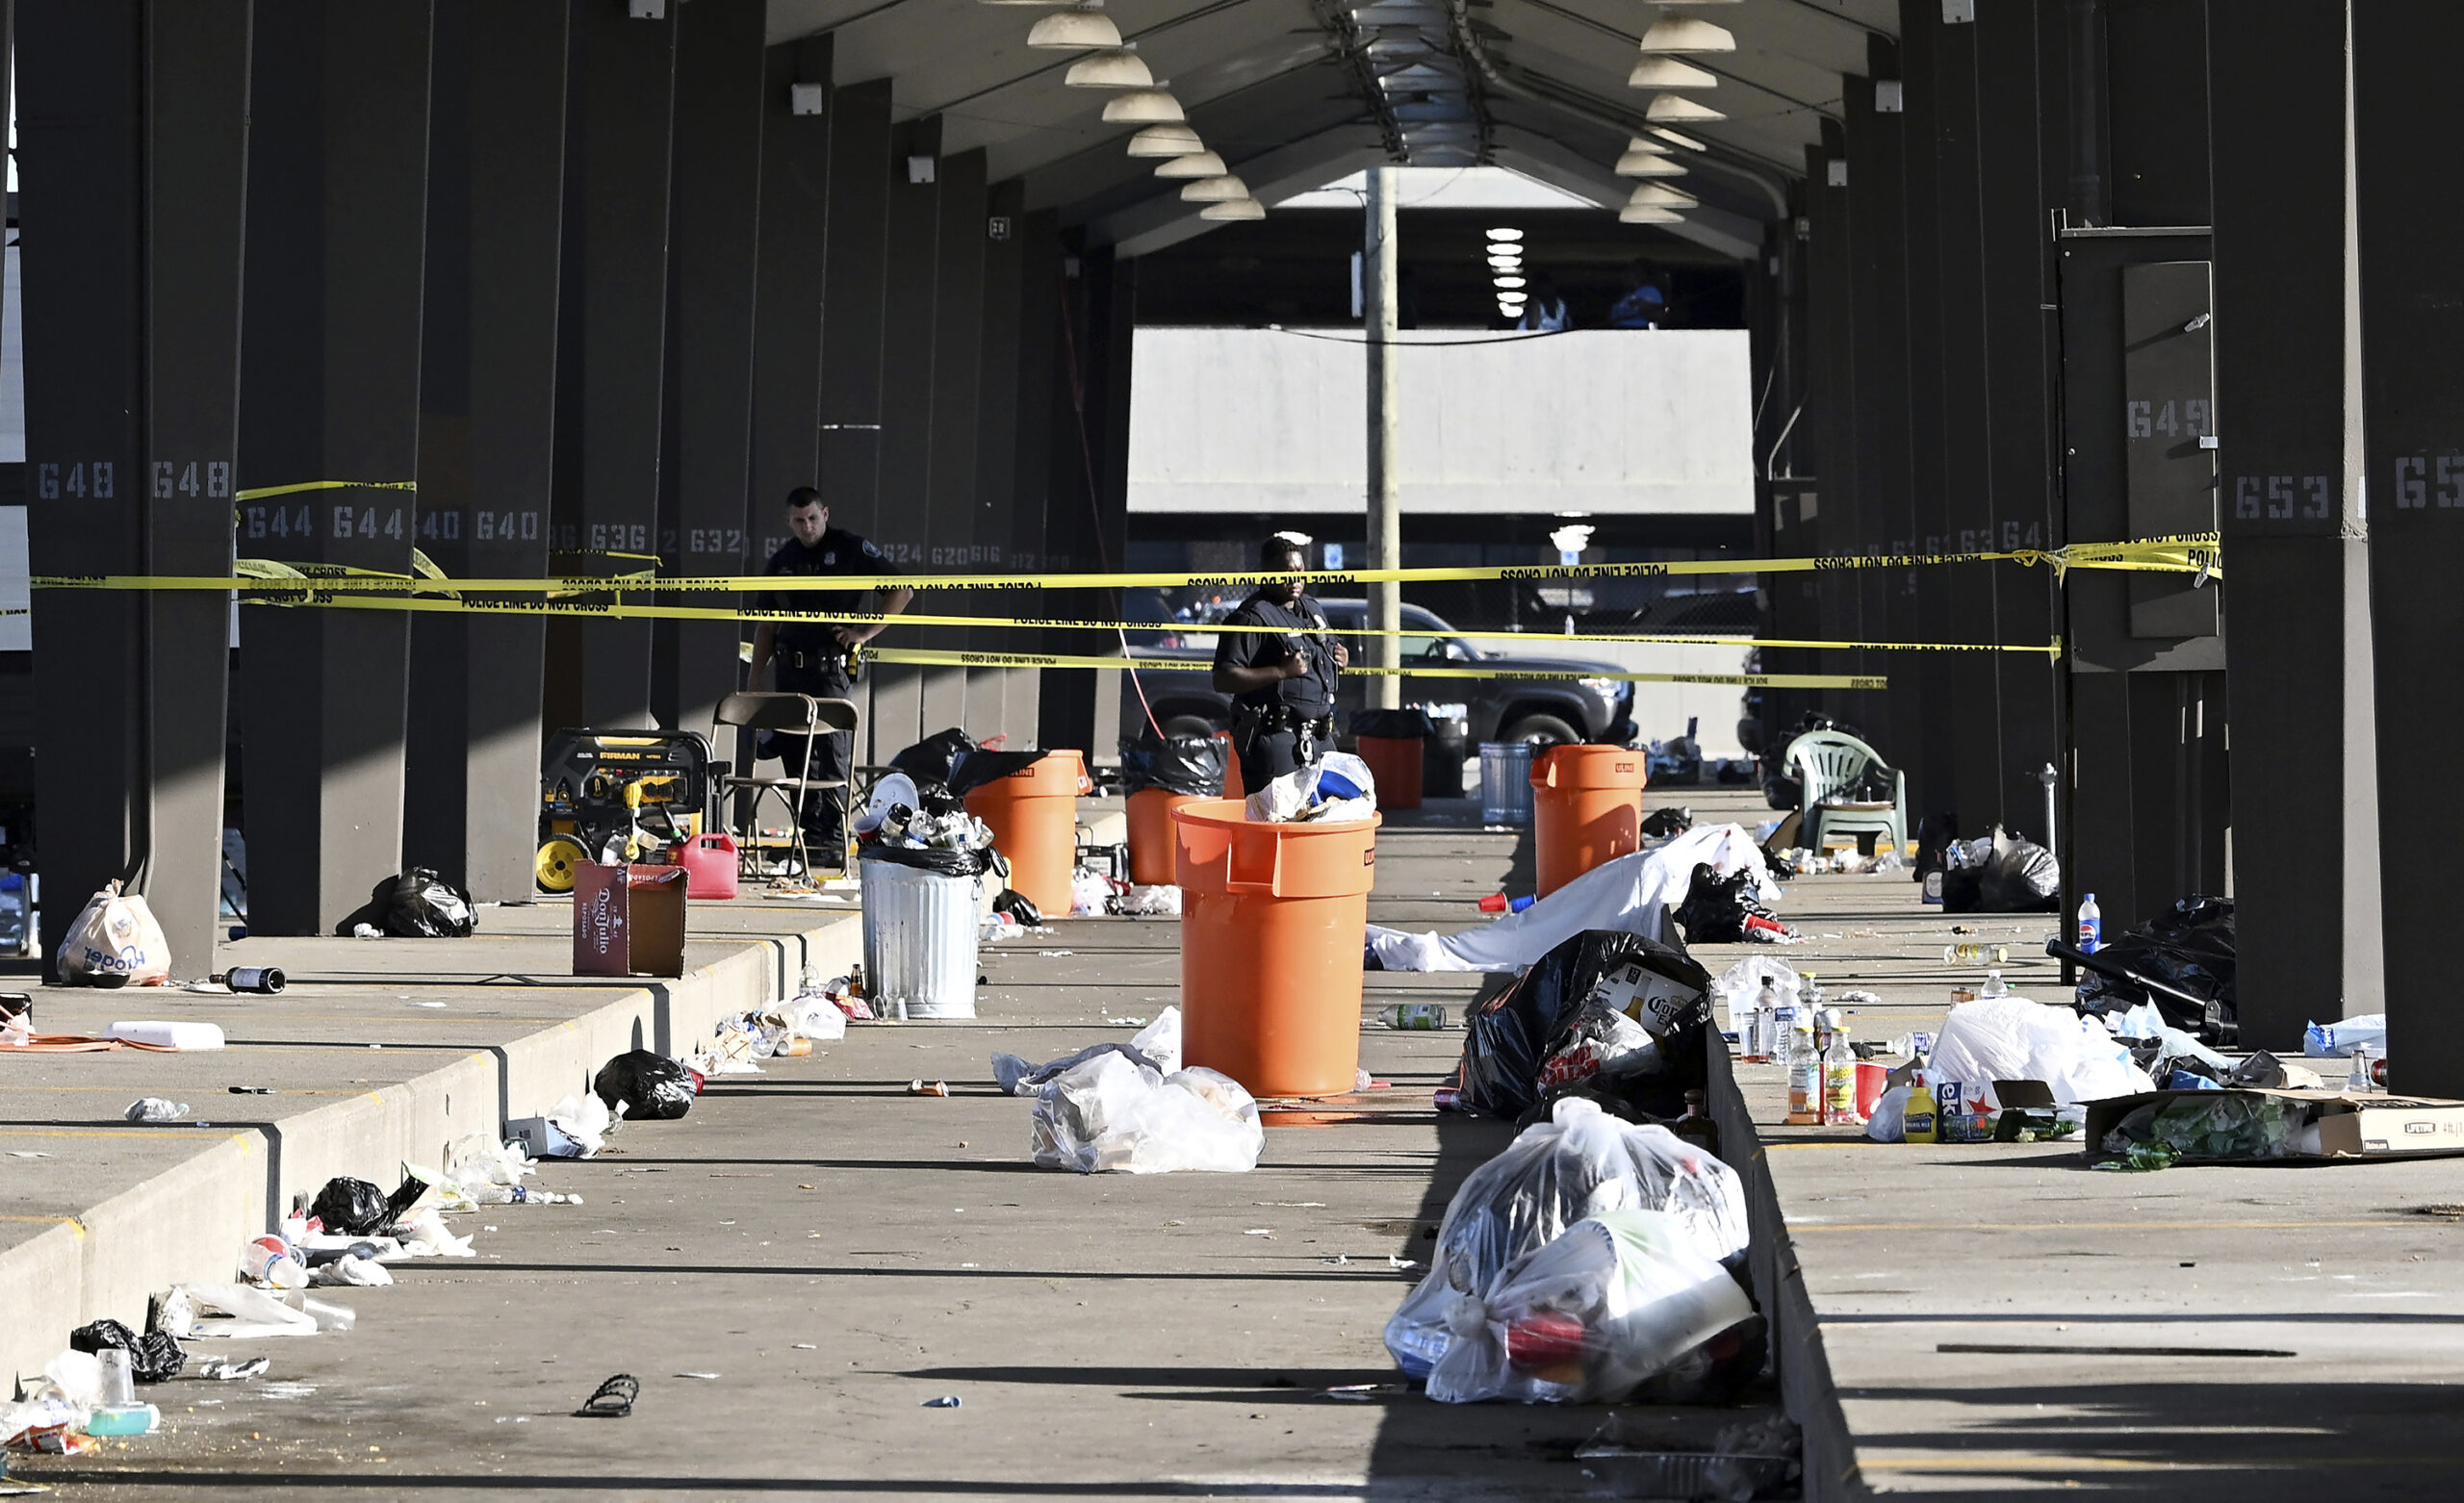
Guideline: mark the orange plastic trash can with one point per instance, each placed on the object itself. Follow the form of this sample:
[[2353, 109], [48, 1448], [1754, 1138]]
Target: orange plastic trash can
[[1150, 835], [1586, 809], [1033, 815], [1394, 761], [1273, 918], [1232, 785]]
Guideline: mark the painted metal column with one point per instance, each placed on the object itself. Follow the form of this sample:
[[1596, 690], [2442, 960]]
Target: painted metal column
[[2412, 323], [1378, 302], [487, 433], [627, 78], [997, 698], [853, 314], [899, 517], [331, 392], [958, 373], [725, 113], [195, 209], [1877, 506], [80, 145], [2289, 424]]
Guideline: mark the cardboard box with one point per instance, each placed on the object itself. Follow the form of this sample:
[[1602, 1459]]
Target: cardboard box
[[628, 920], [2348, 1126]]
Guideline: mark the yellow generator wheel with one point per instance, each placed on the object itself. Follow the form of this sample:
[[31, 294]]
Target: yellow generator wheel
[[557, 860]]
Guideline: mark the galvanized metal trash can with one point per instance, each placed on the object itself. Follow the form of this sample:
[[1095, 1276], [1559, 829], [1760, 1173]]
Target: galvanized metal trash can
[[920, 931], [1505, 782]]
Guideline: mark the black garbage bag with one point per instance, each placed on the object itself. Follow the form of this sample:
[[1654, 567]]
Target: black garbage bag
[[646, 1086], [935, 757], [416, 905], [155, 1356], [2019, 877], [981, 767], [1019, 906], [1404, 725], [1192, 765], [1717, 908], [1558, 1023], [2188, 946], [926, 859], [355, 1207], [1660, 824]]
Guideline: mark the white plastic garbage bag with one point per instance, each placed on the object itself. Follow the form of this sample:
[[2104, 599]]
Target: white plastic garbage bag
[[230, 1313], [1582, 1162], [1741, 984], [1110, 1113], [2010, 1039], [1157, 1045], [1890, 1122], [815, 1017], [2322, 1040], [115, 941], [1337, 786], [1632, 894], [1091, 893], [1611, 1301]]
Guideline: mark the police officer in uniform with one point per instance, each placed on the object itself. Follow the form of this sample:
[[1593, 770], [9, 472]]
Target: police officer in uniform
[[1282, 683], [812, 657]]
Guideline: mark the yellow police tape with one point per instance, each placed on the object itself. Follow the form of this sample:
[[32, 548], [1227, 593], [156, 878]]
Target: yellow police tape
[[2191, 553], [930, 657], [262, 492]]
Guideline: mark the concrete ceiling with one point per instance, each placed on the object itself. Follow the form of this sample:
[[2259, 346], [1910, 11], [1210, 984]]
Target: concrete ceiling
[[1294, 92]]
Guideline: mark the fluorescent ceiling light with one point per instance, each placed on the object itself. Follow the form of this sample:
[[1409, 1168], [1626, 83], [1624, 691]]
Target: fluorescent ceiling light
[[1143, 107], [1215, 190], [1661, 195], [1510, 283], [1669, 73], [1686, 34], [1645, 163], [1645, 214], [1113, 68], [1234, 209], [1069, 30], [1200, 163], [1677, 107], [1505, 235], [1165, 141], [1675, 139]]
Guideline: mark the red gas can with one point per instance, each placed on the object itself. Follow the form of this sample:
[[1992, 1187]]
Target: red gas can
[[710, 866]]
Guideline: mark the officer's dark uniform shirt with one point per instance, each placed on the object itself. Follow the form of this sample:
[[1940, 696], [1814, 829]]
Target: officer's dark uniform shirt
[[838, 553], [1312, 695]]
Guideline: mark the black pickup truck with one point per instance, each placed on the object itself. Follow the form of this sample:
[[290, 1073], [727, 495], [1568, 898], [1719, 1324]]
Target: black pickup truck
[[1597, 709]]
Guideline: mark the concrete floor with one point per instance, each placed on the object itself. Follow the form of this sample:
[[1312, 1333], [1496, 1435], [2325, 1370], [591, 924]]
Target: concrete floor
[[831, 1252]]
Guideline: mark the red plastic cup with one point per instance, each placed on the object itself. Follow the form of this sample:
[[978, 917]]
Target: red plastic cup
[[1870, 1080]]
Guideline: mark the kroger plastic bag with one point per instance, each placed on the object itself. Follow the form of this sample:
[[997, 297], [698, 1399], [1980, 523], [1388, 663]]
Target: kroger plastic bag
[[2010, 1039], [1112, 1114], [1582, 1162], [115, 941], [1611, 1301]]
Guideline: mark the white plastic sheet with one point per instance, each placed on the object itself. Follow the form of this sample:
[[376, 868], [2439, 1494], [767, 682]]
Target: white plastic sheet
[[1337, 786], [1110, 1113], [2010, 1039], [1158, 1045], [1633, 893]]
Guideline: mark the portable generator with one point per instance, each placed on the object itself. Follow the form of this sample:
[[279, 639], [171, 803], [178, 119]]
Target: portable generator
[[613, 795]]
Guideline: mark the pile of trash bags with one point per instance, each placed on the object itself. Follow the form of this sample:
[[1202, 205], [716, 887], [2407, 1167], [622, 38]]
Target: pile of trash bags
[[1590, 1259], [1727, 910], [1999, 874], [1133, 1109], [2189, 949], [416, 905], [1610, 1016]]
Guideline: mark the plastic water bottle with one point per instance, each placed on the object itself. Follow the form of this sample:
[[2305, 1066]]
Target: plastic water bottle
[[2091, 925], [1973, 953], [1782, 1037], [1993, 986], [1840, 1081], [1757, 1040], [1420, 1017], [1805, 1075]]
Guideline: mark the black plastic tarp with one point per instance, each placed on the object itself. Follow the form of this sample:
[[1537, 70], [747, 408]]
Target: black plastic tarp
[[980, 766], [1404, 725], [2189, 946], [1512, 1036], [928, 858]]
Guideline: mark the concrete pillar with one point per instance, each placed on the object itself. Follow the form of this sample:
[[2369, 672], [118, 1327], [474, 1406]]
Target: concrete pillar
[[1879, 504], [1828, 433], [1379, 296], [80, 147], [992, 693], [725, 112], [2412, 318], [853, 314], [956, 399], [2289, 421], [487, 433], [1088, 508], [900, 517], [1940, 215], [330, 391], [625, 78]]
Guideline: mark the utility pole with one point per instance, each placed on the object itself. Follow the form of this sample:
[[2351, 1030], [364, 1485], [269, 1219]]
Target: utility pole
[[1385, 438]]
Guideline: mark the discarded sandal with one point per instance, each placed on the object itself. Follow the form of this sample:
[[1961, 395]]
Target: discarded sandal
[[613, 1399]]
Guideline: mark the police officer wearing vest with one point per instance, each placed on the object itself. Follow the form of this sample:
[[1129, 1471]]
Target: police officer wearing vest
[[1282, 683], [814, 656]]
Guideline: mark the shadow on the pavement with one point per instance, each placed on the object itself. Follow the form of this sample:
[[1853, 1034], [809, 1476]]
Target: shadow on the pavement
[[497, 1484], [1319, 1274]]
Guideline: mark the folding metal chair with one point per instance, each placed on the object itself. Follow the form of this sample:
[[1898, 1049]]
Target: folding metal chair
[[794, 714]]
